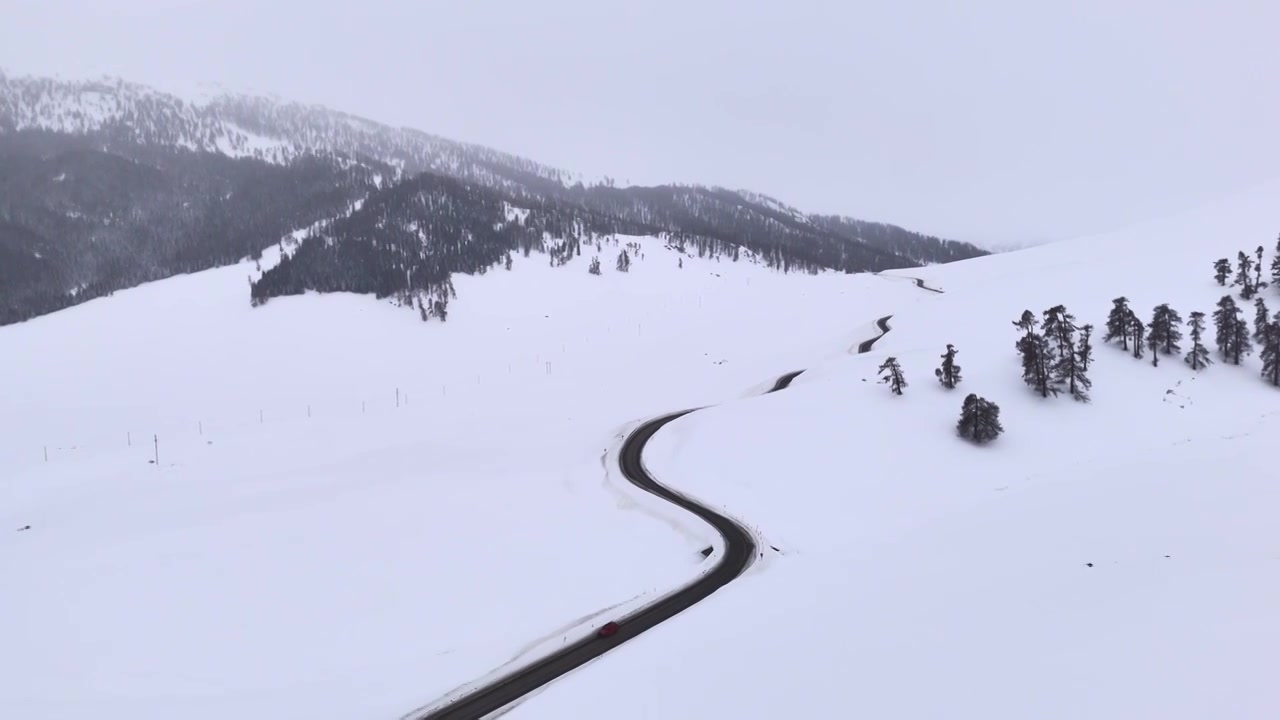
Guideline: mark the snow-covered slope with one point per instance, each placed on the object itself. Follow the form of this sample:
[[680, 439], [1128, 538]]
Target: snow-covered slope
[[306, 549], [1110, 560]]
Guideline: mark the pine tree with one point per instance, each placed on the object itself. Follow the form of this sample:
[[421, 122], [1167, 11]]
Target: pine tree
[[1085, 349], [892, 376], [1068, 371], [1232, 331], [1037, 356], [594, 267], [1244, 275], [979, 420], [1118, 322], [507, 263], [1153, 343], [1222, 271], [1275, 267], [1060, 328], [1198, 357], [1270, 352], [1261, 318], [624, 261], [1258, 284], [1165, 330], [680, 263], [1136, 329], [949, 373]]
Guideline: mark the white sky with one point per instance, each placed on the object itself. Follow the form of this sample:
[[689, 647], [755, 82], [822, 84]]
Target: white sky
[[1003, 121]]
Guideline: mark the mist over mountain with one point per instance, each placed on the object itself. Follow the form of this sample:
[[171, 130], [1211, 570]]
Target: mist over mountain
[[108, 184]]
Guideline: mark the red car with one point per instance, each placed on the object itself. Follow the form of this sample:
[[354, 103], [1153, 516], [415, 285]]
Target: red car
[[608, 629]]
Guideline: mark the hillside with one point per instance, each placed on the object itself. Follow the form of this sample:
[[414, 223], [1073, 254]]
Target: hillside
[[307, 549], [1110, 559], [347, 522], [108, 184]]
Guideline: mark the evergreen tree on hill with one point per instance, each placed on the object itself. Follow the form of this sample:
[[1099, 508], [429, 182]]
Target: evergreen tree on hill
[[1037, 356], [1118, 322], [892, 376], [1198, 357], [1222, 271], [979, 420], [949, 373]]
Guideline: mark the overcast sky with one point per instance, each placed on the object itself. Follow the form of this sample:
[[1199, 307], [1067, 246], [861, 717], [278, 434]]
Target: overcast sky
[[990, 120]]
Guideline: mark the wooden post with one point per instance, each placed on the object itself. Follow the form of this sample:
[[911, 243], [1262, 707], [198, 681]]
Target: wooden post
[[259, 417], [157, 440], [128, 438], [397, 397], [308, 411], [46, 453], [200, 426]]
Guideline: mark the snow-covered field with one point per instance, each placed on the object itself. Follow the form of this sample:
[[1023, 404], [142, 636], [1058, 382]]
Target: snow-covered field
[[923, 577], [306, 549]]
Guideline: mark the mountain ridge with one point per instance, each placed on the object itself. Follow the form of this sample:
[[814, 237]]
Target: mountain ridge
[[137, 184]]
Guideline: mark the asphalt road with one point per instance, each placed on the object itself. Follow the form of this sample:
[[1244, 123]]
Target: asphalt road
[[883, 324], [739, 550]]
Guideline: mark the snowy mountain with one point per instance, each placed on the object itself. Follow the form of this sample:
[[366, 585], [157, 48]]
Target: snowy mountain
[[109, 184]]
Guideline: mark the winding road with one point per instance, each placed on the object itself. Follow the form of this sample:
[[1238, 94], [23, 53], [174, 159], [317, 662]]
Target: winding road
[[739, 550]]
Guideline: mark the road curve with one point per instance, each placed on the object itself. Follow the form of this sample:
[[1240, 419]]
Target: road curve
[[739, 550], [883, 324]]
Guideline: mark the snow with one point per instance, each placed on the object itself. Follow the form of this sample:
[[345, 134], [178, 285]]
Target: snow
[[922, 577], [342, 557], [237, 142]]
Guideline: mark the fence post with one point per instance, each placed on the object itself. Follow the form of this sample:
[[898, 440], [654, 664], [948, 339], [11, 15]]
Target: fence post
[[157, 440]]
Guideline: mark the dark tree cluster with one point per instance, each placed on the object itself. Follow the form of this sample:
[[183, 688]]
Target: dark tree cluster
[[1053, 360], [1248, 271], [78, 223]]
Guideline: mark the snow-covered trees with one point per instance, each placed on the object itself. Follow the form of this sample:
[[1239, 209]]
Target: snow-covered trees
[[891, 374], [624, 261], [1260, 318], [1221, 271], [949, 373], [1270, 352], [1244, 276], [594, 267], [1137, 330], [979, 420], [1037, 355], [1198, 356], [1275, 267], [1060, 330], [1258, 283], [1118, 322], [1085, 349], [1232, 330], [1165, 331]]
